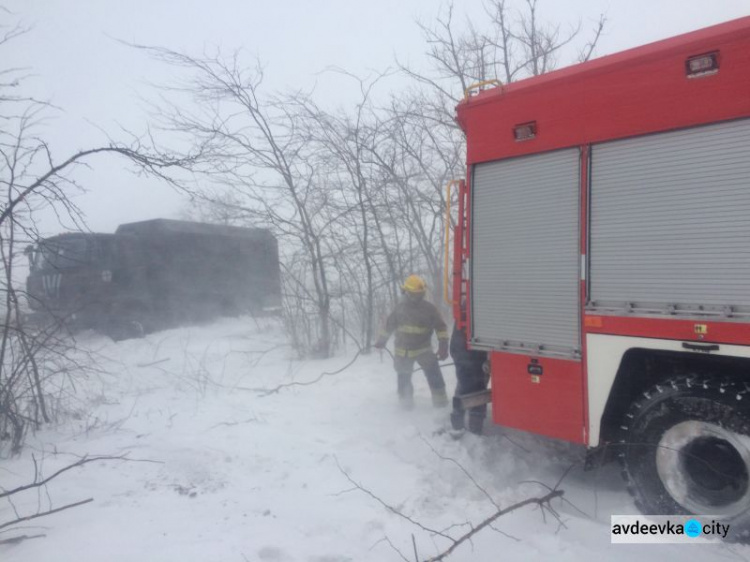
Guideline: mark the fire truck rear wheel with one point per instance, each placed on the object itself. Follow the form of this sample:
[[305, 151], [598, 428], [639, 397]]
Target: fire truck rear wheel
[[686, 450]]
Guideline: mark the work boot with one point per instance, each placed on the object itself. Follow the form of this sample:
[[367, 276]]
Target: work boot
[[457, 420], [439, 398], [475, 424]]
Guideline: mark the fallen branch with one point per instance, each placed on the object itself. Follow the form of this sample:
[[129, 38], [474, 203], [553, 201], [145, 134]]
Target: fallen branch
[[541, 502], [20, 539], [463, 469], [253, 419], [269, 391], [39, 483], [44, 513], [159, 361], [556, 486], [390, 508]]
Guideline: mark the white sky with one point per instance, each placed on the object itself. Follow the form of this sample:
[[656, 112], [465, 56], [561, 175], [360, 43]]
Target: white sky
[[99, 83]]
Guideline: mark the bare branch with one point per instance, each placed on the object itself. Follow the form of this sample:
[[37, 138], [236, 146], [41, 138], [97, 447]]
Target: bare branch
[[588, 49], [542, 502], [267, 392], [44, 513], [45, 481], [463, 469], [390, 508]]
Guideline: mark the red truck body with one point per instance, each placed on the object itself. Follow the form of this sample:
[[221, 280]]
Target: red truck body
[[593, 126]]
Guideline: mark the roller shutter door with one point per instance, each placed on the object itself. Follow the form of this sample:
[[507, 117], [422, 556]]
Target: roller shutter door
[[525, 250], [670, 222]]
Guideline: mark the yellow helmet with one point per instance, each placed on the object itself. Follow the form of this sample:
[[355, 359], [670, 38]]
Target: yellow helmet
[[414, 284]]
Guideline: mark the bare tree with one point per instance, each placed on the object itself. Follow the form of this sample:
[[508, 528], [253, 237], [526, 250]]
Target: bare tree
[[254, 148], [355, 194], [513, 44], [420, 157], [347, 141], [32, 180], [425, 148]]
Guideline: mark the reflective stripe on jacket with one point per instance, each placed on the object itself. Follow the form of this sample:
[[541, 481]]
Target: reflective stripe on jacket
[[411, 353], [413, 321]]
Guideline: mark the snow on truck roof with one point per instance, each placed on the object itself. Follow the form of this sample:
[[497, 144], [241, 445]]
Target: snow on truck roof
[[608, 63], [170, 226]]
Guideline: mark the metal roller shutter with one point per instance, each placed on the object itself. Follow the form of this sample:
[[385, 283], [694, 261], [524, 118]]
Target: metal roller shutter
[[670, 222], [525, 249]]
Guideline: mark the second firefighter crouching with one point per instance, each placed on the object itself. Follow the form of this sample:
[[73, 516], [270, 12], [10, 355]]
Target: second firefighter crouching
[[414, 320]]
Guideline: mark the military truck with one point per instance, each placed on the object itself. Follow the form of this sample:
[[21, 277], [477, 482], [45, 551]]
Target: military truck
[[152, 275]]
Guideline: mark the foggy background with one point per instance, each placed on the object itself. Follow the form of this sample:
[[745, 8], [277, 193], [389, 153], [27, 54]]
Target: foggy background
[[77, 61], [233, 417]]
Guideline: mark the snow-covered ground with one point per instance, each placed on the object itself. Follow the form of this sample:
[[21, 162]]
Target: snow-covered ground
[[219, 471]]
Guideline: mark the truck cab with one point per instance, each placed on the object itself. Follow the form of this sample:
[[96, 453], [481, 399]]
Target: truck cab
[[70, 276]]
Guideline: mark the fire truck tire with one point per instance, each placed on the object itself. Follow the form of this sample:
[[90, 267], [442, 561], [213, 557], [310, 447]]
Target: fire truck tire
[[685, 449]]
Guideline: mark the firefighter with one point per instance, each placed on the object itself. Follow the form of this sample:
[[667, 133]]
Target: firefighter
[[470, 377], [414, 321]]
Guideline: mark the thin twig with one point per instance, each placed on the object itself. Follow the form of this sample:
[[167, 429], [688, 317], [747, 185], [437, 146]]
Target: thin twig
[[268, 391], [541, 502], [230, 424], [143, 365], [463, 469], [37, 484], [385, 505]]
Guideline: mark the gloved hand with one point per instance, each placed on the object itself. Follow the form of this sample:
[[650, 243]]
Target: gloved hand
[[442, 350], [379, 344]]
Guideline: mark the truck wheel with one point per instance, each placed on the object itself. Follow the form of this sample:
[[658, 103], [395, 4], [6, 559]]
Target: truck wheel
[[686, 450], [128, 323]]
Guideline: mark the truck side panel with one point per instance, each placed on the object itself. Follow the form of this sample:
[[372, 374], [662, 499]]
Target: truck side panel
[[669, 222], [539, 394], [196, 269], [525, 248], [526, 288]]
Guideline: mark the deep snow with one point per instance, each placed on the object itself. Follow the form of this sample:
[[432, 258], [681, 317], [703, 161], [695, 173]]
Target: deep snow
[[222, 472]]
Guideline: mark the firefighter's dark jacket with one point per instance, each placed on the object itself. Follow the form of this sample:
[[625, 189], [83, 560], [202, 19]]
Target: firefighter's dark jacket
[[414, 321]]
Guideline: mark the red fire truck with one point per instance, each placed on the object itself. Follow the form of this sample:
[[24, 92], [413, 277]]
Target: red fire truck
[[602, 260]]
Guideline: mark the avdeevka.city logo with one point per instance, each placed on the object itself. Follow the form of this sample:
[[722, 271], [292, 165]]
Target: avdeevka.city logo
[[666, 529], [693, 528]]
